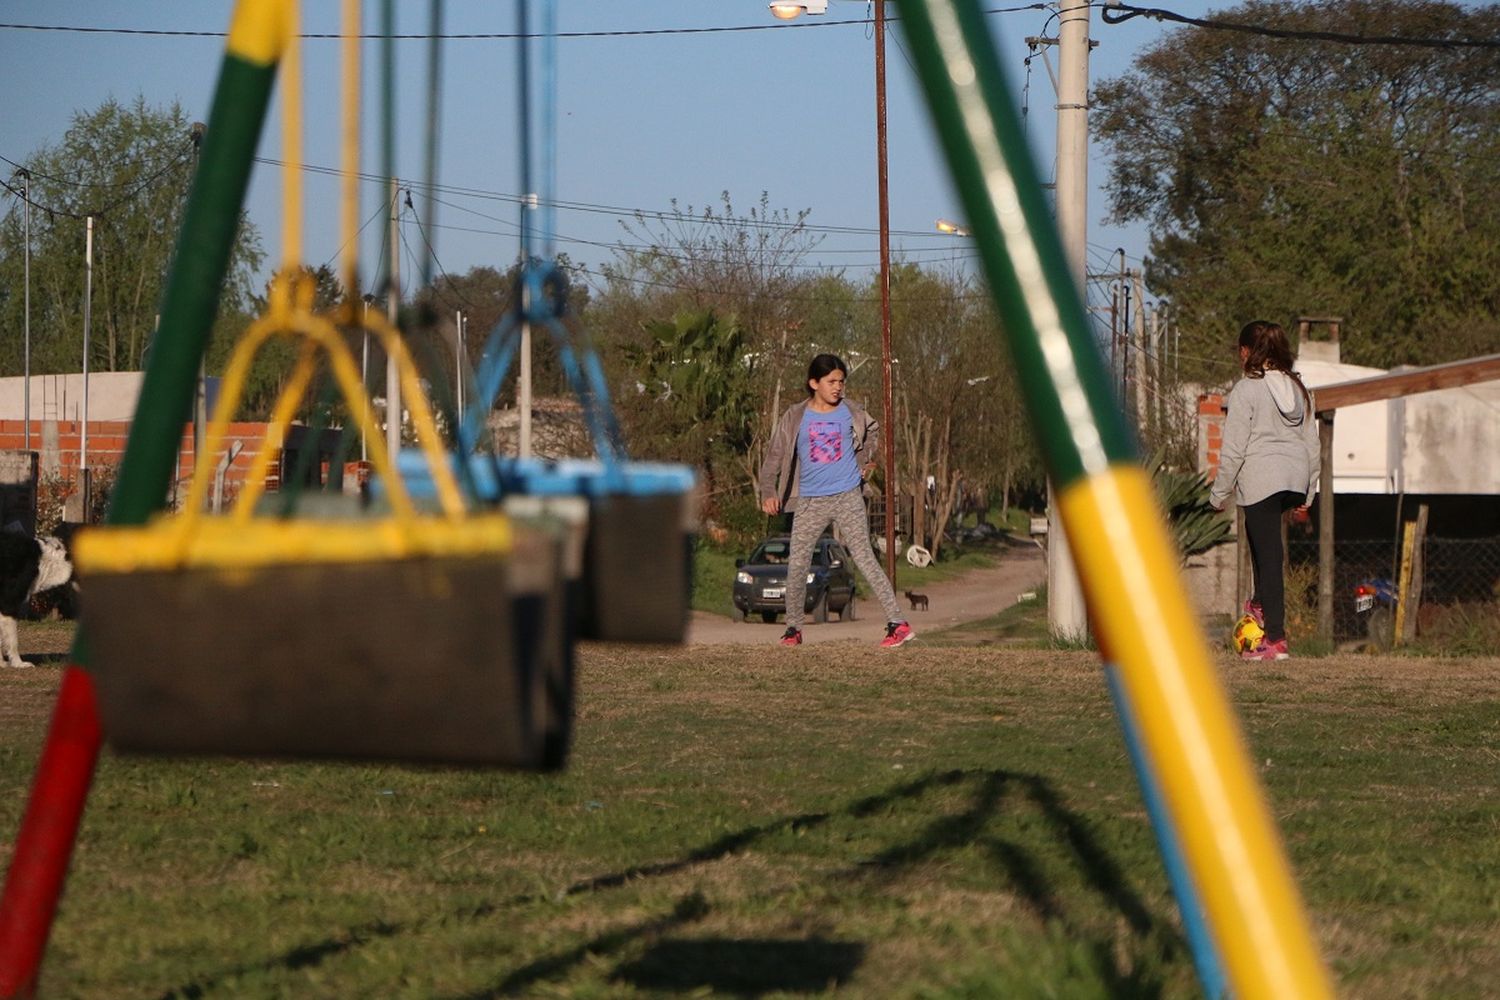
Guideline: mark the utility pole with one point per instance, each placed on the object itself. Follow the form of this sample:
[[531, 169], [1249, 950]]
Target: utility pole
[[88, 309], [393, 280], [888, 407], [523, 384], [1142, 353], [364, 375], [529, 204], [1125, 356], [1067, 616], [26, 339], [200, 392], [458, 365], [392, 313]]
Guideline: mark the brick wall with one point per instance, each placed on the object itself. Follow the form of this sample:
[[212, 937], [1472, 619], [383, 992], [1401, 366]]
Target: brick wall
[[1210, 428], [57, 444]]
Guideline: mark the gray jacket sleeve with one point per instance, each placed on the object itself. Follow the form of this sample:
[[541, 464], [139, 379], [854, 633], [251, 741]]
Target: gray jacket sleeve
[[1233, 440], [770, 467], [869, 444], [1314, 455]]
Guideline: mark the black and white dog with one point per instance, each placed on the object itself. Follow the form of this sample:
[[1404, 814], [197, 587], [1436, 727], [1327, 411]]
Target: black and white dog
[[28, 566]]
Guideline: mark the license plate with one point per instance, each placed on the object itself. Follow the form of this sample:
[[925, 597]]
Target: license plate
[[773, 592], [1364, 602]]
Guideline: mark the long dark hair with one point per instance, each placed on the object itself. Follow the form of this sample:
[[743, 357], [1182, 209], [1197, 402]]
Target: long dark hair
[[1270, 350], [821, 366]]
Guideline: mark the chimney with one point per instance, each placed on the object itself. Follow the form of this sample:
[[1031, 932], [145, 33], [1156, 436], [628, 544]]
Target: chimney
[[1324, 347]]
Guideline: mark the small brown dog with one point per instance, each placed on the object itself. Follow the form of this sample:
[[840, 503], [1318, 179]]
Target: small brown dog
[[918, 601]]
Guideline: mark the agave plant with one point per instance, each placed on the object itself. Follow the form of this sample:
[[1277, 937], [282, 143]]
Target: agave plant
[[1195, 525]]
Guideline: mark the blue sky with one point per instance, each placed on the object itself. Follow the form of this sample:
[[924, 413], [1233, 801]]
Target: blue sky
[[643, 118]]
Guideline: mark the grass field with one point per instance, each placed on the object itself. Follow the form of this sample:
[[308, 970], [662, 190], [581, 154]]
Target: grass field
[[941, 821]]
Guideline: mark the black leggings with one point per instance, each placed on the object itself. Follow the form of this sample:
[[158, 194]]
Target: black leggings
[[1263, 531]]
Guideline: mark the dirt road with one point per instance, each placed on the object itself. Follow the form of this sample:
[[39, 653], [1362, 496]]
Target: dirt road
[[975, 595]]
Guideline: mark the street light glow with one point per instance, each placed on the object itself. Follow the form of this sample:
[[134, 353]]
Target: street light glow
[[785, 11], [952, 228]]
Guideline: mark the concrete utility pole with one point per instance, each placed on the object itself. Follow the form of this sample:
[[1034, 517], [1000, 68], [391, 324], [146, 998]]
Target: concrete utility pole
[[200, 391], [1067, 615], [26, 341], [1143, 380], [458, 365], [88, 318], [364, 374], [392, 312], [523, 393]]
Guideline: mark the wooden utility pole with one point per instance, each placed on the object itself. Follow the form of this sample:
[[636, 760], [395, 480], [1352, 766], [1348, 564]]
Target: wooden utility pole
[[1325, 526]]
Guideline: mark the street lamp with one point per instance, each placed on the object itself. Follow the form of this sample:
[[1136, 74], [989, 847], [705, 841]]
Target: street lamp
[[952, 228], [786, 10]]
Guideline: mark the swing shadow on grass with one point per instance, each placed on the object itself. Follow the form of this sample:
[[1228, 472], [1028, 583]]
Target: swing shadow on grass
[[660, 954], [741, 966]]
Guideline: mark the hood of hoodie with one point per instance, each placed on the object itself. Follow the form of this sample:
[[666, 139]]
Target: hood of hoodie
[[1286, 393]]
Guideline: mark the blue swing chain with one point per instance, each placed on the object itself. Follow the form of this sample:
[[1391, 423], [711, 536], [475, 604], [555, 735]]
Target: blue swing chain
[[542, 287]]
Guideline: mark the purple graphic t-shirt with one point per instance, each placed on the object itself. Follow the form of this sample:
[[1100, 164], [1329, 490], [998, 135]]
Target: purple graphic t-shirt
[[825, 453]]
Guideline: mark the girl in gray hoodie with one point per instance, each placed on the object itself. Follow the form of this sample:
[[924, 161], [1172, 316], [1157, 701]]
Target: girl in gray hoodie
[[1269, 459]]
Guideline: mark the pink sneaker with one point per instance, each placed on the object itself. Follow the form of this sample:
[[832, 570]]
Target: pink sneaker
[[791, 637], [897, 633], [1268, 651], [1254, 611]]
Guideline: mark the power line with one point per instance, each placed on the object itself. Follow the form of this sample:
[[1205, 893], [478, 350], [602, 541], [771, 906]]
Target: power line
[[939, 255], [119, 164], [373, 216], [492, 35], [904, 257], [614, 210], [1120, 13], [103, 211], [432, 252]]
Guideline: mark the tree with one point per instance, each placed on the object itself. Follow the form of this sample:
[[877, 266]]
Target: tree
[[697, 386], [130, 168], [745, 318], [744, 265], [745, 269], [959, 423], [1287, 176], [486, 296], [273, 362]]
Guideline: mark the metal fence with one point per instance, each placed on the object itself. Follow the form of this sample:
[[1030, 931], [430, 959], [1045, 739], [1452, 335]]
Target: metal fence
[[1457, 607]]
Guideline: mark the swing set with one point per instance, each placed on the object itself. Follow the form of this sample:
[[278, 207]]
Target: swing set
[[538, 537]]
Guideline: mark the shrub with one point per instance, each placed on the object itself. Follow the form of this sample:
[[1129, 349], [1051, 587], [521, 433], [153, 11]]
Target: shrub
[[54, 490], [738, 513], [1302, 603], [1463, 629], [1183, 495]]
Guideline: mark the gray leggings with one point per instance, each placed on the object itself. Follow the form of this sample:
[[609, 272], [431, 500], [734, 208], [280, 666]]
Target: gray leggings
[[846, 512]]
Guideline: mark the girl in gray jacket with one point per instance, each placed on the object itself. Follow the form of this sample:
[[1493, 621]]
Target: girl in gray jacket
[[1269, 459]]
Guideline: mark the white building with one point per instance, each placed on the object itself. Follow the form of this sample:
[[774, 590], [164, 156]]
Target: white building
[[1442, 442]]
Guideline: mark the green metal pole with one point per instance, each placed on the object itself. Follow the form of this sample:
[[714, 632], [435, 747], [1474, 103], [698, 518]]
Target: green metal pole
[[1125, 558], [49, 828]]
